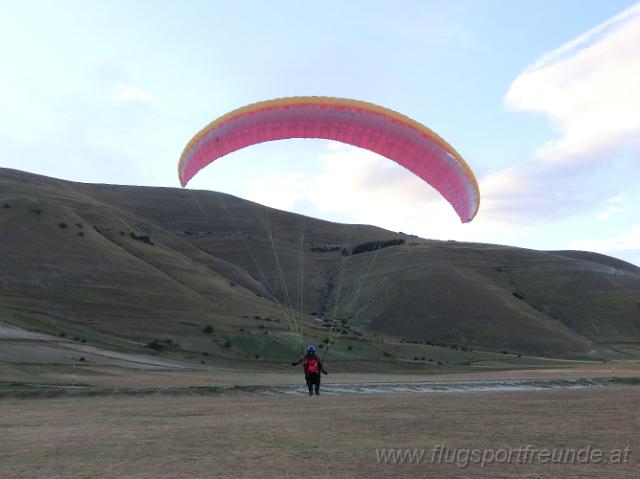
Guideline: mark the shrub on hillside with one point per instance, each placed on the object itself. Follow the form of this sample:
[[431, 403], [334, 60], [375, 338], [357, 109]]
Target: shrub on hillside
[[374, 245], [154, 345], [327, 248], [144, 238]]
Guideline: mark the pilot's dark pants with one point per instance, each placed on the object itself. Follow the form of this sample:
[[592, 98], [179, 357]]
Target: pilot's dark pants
[[313, 382]]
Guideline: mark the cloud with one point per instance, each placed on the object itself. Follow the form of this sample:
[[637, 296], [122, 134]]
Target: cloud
[[357, 186], [278, 191], [589, 89], [352, 184], [94, 125], [25, 117], [130, 93], [361, 183], [615, 206], [627, 242]]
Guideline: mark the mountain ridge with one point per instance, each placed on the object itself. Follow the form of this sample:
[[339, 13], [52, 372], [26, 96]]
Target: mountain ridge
[[147, 262]]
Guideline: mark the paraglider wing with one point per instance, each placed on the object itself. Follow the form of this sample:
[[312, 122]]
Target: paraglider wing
[[354, 122]]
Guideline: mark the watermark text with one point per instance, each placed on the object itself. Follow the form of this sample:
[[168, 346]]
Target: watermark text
[[465, 457]]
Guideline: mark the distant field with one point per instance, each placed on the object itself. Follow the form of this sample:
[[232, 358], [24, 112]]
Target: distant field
[[258, 436], [46, 360]]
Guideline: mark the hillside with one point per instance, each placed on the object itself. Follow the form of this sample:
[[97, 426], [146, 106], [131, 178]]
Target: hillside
[[127, 265]]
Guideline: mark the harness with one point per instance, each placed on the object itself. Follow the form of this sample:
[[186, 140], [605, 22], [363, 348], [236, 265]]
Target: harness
[[312, 365]]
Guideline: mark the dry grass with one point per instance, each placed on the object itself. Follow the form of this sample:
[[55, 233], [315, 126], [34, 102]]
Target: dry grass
[[281, 436], [268, 375]]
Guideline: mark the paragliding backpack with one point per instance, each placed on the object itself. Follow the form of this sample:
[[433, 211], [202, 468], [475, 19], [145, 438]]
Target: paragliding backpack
[[312, 365]]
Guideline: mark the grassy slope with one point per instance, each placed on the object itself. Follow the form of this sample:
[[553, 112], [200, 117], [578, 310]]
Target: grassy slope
[[212, 263]]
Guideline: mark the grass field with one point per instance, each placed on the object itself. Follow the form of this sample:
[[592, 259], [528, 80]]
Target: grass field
[[256, 436]]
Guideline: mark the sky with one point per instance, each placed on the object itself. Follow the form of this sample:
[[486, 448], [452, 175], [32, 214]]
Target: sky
[[541, 98]]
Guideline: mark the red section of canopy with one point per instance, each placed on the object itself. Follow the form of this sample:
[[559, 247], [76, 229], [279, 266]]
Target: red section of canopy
[[383, 134]]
